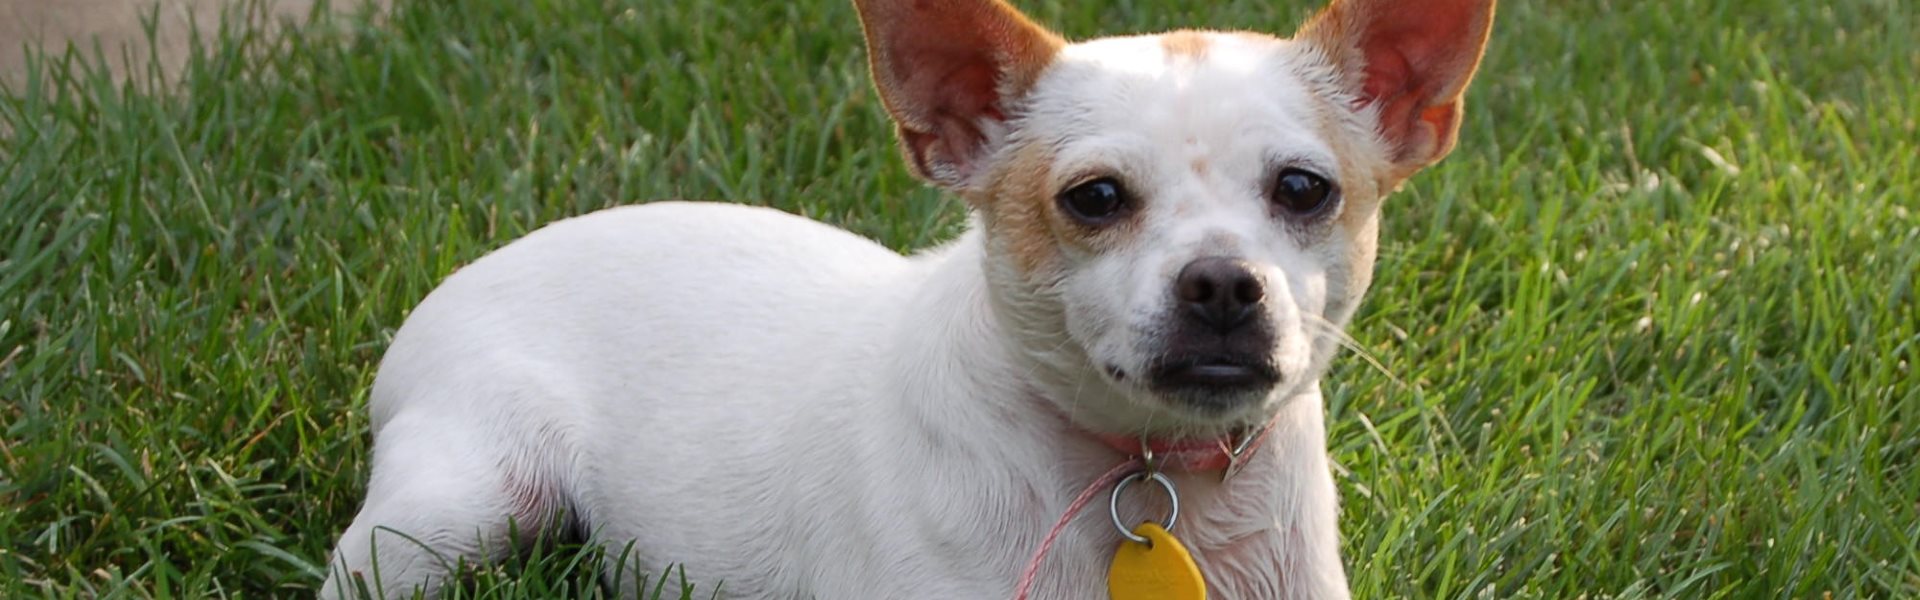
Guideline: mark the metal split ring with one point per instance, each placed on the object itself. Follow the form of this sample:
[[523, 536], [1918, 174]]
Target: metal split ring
[[1173, 501]]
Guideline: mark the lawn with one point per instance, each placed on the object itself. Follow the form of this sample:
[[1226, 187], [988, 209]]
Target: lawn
[[1650, 332]]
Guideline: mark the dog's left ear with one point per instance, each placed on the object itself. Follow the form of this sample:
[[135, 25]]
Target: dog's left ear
[[1412, 60], [947, 71]]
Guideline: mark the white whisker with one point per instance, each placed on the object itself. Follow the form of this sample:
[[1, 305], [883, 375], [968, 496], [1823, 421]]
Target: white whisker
[[1322, 327]]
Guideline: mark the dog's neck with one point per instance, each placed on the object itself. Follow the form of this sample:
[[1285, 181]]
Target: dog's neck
[[953, 340]]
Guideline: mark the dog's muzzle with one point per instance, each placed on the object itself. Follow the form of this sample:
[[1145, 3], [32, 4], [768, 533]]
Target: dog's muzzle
[[1219, 350]]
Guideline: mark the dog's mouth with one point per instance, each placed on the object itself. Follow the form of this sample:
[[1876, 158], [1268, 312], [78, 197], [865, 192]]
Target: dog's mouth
[[1212, 375]]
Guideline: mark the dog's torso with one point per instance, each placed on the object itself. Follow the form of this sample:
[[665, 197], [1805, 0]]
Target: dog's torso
[[623, 366]]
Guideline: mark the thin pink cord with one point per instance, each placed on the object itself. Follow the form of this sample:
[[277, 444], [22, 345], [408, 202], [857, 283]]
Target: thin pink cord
[[1033, 565]]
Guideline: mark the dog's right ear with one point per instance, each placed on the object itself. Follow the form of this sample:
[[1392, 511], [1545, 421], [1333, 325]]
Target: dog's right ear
[[1410, 60], [947, 71]]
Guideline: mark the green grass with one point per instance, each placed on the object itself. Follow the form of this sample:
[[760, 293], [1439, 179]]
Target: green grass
[[1650, 332]]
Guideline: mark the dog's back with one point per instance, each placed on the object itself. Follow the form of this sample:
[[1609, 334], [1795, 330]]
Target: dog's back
[[638, 342]]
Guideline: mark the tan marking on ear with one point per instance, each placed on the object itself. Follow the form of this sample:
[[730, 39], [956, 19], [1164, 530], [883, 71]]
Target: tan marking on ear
[[1185, 44]]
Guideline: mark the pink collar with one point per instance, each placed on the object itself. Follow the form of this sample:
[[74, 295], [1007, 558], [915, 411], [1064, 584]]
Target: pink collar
[[1226, 454]]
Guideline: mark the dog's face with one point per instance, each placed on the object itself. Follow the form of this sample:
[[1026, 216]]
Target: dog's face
[[1193, 204], [1178, 225]]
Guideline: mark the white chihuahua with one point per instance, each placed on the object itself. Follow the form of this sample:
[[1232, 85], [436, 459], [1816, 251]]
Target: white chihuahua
[[1169, 233]]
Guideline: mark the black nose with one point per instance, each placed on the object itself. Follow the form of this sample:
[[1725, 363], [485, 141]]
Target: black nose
[[1220, 292]]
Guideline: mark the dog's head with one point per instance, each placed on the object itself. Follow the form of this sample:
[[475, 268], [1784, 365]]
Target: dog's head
[[1178, 225]]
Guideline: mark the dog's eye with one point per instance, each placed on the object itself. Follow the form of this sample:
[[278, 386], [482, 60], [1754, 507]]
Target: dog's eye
[[1301, 192], [1094, 202]]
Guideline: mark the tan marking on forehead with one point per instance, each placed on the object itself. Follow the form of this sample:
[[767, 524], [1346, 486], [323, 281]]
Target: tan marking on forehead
[[1186, 44]]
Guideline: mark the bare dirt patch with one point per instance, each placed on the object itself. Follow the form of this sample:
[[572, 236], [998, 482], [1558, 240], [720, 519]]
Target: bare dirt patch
[[116, 26]]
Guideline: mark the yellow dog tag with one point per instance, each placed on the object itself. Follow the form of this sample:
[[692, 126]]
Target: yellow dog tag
[[1159, 570]]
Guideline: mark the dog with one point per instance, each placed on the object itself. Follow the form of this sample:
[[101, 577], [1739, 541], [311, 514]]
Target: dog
[[1168, 236]]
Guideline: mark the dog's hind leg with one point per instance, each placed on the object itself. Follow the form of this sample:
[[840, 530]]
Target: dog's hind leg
[[441, 494]]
